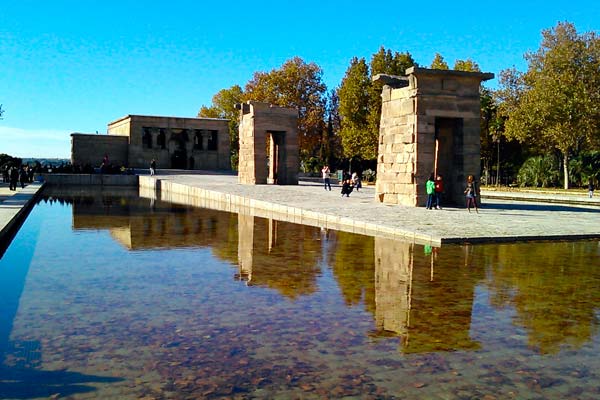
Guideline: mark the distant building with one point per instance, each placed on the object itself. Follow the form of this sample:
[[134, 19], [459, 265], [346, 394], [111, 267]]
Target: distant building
[[179, 143]]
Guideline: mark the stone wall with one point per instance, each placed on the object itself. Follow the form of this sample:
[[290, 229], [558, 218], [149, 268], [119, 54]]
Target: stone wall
[[90, 149], [259, 124], [183, 143], [90, 180], [426, 107]]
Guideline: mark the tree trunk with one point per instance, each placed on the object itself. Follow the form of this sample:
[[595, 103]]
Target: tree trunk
[[566, 169]]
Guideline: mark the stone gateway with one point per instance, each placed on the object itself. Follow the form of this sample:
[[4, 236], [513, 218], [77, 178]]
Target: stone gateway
[[430, 124]]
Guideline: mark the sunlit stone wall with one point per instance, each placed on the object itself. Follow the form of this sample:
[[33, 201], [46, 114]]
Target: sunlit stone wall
[[416, 110]]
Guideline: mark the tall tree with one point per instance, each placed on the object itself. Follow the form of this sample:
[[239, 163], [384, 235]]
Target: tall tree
[[354, 102], [223, 106], [556, 103], [331, 144], [439, 62], [467, 65], [383, 62], [360, 101], [299, 85]]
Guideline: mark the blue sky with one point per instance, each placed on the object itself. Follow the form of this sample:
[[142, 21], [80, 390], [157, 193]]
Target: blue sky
[[74, 66]]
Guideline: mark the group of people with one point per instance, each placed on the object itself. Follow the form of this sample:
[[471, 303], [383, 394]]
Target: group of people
[[348, 183], [14, 175], [434, 188]]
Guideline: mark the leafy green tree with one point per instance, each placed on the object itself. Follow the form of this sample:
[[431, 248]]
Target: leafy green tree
[[489, 132], [354, 103], [299, 85], [331, 147], [539, 171], [360, 101], [556, 103], [223, 106], [439, 62], [584, 167], [467, 65], [7, 160], [384, 62]]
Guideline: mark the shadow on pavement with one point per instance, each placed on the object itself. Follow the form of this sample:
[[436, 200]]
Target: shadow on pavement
[[537, 207]]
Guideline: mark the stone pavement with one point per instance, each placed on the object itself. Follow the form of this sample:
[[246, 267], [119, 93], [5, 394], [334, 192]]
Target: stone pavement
[[498, 220]]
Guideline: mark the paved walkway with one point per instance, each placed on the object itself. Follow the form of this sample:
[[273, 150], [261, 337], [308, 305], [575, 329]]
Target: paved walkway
[[498, 220]]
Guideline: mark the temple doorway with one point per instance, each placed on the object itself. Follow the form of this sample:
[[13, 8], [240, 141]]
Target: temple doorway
[[276, 157], [177, 147], [448, 157]]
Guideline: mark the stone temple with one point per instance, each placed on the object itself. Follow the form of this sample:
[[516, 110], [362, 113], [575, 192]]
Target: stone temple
[[174, 142], [430, 124]]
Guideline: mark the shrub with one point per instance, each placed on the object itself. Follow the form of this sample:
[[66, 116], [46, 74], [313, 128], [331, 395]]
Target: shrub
[[369, 175], [539, 171]]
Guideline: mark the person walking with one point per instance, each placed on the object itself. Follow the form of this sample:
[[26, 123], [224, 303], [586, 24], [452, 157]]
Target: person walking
[[326, 180], [356, 181], [23, 177], [153, 167], [14, 177], [430, 190], [439, 189], [471, 194], [591, 188]]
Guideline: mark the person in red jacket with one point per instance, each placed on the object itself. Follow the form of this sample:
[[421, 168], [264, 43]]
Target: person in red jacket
[[439, 189]]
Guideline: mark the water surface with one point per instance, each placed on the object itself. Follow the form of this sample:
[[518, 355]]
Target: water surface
[[111, 295]]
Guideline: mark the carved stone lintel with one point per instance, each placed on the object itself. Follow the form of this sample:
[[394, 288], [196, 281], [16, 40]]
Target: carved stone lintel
[[394, 81]]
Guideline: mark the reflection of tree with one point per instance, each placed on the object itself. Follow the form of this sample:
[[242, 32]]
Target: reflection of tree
[[285, 257], [352, 259], [553, 287]]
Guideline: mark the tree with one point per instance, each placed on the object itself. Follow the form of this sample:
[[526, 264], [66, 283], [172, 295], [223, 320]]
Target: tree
[[331, 147], [354, 99], [7, 160], [384, 62], [360, 101], [556, 103], [489, 132], [299, 85], [439, 62], [223, 106], [467, 65]]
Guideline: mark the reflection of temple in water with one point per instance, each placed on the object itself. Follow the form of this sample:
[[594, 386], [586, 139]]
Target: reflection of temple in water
[[140, 225], [426, 307], [288, 262], [394, 280]]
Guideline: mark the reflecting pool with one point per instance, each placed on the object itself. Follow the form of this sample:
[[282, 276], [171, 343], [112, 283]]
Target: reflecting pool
[[109, 295]]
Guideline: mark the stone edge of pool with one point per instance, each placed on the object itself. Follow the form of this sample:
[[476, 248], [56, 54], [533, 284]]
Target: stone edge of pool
[[213, 199], [14, 210]]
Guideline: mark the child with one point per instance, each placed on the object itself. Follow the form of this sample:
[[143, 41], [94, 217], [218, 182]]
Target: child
[[439, 189], [471, 194], [430, 189]]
